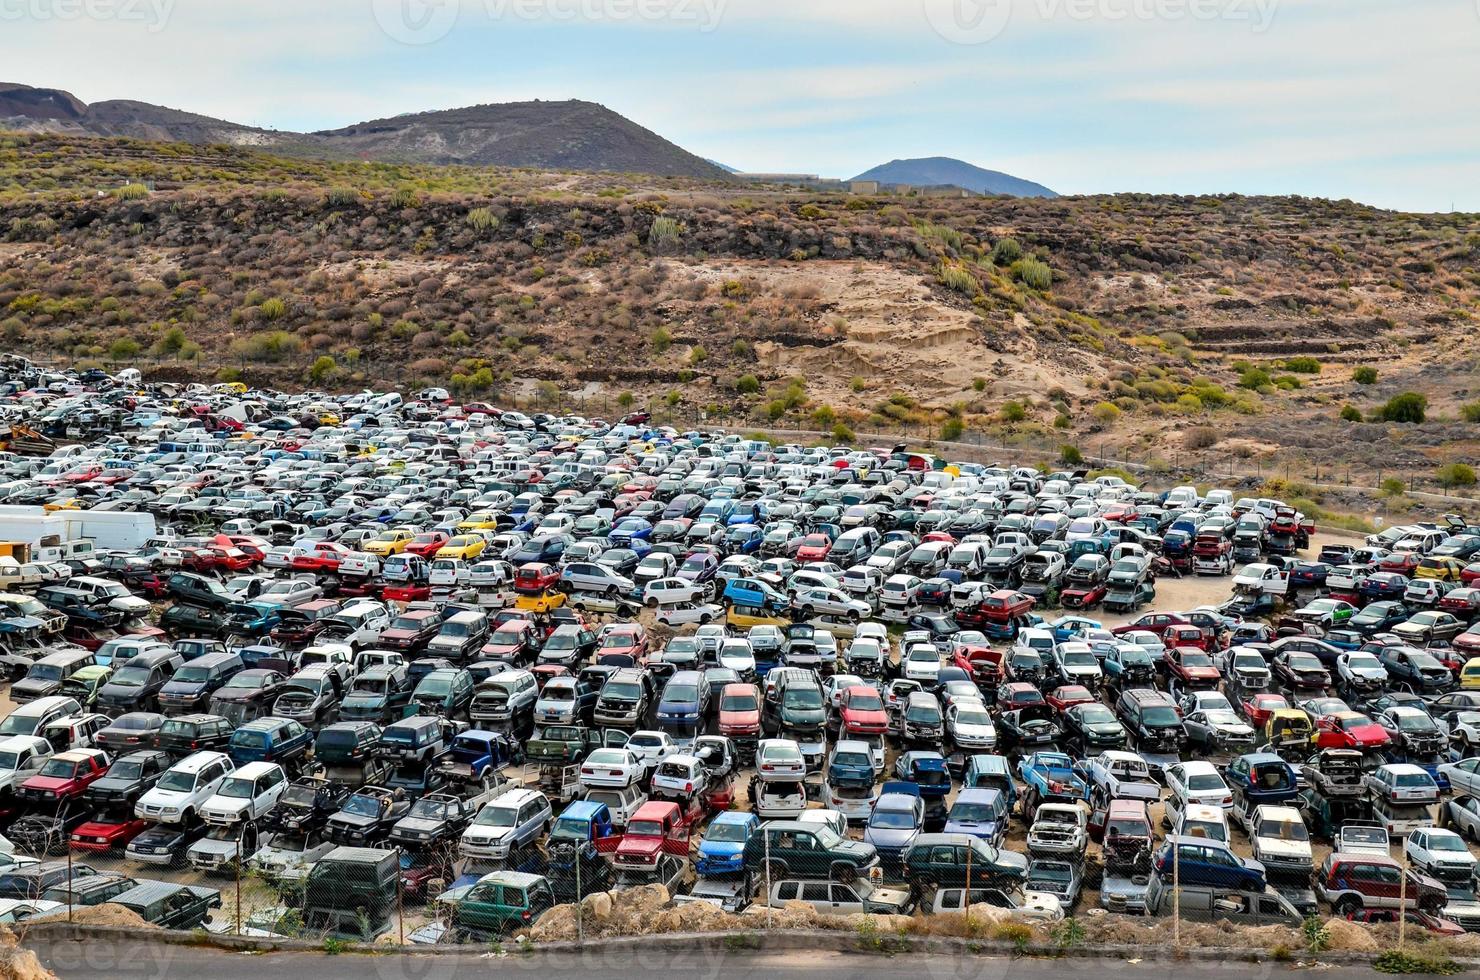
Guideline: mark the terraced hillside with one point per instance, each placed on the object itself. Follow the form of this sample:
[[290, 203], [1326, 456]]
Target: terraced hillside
[[1145, 325]]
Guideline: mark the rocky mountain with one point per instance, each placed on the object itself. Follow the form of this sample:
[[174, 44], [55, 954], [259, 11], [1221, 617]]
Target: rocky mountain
[[945, 171], [569, 135]]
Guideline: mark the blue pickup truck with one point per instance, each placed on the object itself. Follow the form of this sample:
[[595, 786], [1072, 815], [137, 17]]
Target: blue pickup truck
[[1050, 778]]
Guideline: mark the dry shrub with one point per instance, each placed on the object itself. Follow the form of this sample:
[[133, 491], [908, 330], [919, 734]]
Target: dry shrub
[[1200, 437]]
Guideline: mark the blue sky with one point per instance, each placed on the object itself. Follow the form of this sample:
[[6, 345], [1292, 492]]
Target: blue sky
[[1375, 100]]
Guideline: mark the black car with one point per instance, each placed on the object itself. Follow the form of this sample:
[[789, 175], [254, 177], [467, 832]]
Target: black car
[[248, 694], [1093, 728], [940, 859], [169, 905], [48, 833], [306, 805], [1415, 670], [1152, 720], [1030, 728], [165, 844], [128, 778], [1300, 671], [31, 881], [367, 816], [136, 685], [135, 730], [194, 733], [185, 620]]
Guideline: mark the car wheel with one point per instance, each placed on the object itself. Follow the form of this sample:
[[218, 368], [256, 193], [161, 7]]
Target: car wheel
[[846, 873], [776, 870], [652, 602], [1348, 906]]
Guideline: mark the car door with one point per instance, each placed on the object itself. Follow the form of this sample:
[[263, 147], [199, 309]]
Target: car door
[[1465, 776]]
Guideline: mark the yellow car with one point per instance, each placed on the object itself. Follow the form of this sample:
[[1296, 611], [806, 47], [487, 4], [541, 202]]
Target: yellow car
[[478, 520], [328, 418], [541, 604], [464, 546], [388, 543], [71, 503], [230, 388], [1469, 675], [744, 617], [1441, 569]]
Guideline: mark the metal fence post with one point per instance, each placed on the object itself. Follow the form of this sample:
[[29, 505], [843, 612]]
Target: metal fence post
[[71, 895], [1402, 900], [766, 839], [580, 905], [968, 890], [239, 882], [1176, 896], [400, 907]]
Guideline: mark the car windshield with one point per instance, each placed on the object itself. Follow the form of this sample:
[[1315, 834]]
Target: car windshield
[[1415, 722], [1096, 714], [236, 788], [1205, 781], [176, 781], [972, 812], [1282, 829], [1444, 842], [801, 697], [737, 702], [363, 806], [728, 833], [131, 677], [892, 819], [972, 716], [1223, 716], [60, 768], [1160, 714], [193, 675], [681, 694], [497, 816], [10, 760]]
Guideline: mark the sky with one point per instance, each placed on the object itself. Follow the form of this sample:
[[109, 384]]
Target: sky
[[1373, 100]]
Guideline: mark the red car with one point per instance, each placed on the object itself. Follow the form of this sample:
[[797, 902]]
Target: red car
[[983, 664], [1468, 642], [1192, 668], [1157, 623], [65, 776], [1069, 695], [427, 544], [814, 547], [1461, 603], [325, 557], [1349, 730], [657, 828], [861, 712], [536, 578], [411, 631], [1260, 707], [740, 711], [1401, 562], [624, 640], [1470, 574], [1186, 636], [106, 834]]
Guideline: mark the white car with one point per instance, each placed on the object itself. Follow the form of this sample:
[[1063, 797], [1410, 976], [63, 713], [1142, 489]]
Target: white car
[[184, 788], [900, 590], [650, 748], [611, 768], [738, 656], [672, 591], [288, 856], [779, 759], [969, 725], [779, 799], [922, 664], [834, 686], [1441, 853], [1464, 728], [1281, 841], [248, 793], [1464, 775], [829, 602], [689, 614], [1195, 781], [680, 776], [1403, 783], [1360, 671]]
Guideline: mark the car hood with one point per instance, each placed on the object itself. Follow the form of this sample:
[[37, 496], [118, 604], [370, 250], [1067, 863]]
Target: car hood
[[1274, 847], [889, 837]]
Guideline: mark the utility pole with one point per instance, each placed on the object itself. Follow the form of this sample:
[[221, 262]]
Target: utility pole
[[1402, 900]]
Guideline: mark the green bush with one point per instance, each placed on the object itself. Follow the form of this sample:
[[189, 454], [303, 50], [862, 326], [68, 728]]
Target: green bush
[[1014, 411], [664, 234], [1350, 413], [952, 430], [1033, 274], [824, 416], [322, 369], [1070, 455], [1456, 475], [273, 345], [1393, 487], [978, 384], [482, 220], [747, 384], [662, 339], [1106, 413], [170, 343], [1410, 407], [1006, 252], [274, 309], [1303, 365], [131, 192], [124, 348], [1253, 378], [626, 399], [1470, 412], [1365, 375], [1399, 961], [698, 355], [959, 278]]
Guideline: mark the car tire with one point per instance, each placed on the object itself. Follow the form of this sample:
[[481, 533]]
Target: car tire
[[846, 873], [1347, 906], [776, 870], [652, 602]]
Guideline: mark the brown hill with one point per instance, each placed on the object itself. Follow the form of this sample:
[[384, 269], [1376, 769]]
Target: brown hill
[[545, 135]]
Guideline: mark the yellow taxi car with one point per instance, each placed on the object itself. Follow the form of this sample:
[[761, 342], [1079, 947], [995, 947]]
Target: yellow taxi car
[[478, 520], [71, 503], [387, 543], [545, 602], [464, 546], [1443, 569], [1469, 675]]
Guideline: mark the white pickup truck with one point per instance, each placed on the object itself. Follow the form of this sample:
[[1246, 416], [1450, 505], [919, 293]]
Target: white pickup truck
[[1261, 577]]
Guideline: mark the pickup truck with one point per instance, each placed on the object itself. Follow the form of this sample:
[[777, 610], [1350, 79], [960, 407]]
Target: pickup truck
[[440, 818], [658, 828], [1050, 778], [1117, 775], [366, 817], [477, 756], [65, 777], [561, 745]]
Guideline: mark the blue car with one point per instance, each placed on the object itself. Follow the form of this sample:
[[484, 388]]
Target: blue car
[[722, 851], [1212, 863], [981, 813], [1066, 628]]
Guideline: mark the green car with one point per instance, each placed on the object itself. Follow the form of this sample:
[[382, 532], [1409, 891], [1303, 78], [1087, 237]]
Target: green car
[[1326, 612], [940, 859], [170, 906], [788, 849], [84, 684], [502, 902]]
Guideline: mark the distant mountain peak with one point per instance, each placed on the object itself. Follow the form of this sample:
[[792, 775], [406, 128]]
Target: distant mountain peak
[[947, 171]]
